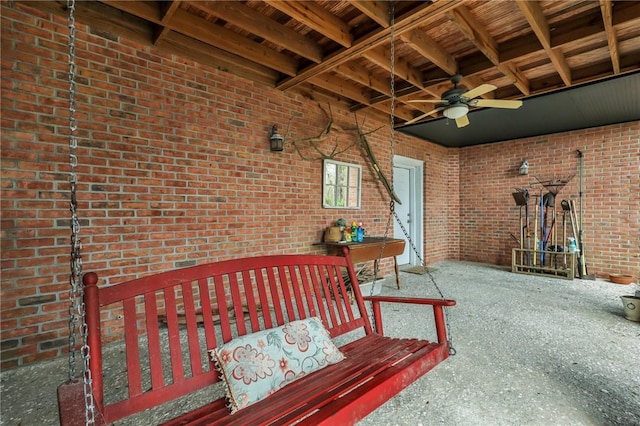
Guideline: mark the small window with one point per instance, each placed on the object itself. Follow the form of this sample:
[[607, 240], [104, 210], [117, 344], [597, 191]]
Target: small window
[[341, 186]]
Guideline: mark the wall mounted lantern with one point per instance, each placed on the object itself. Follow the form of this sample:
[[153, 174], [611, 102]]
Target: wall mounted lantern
[[524, 168], [276, 139]]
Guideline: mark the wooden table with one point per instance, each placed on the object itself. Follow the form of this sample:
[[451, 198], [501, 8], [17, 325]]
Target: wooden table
[[370, 249]]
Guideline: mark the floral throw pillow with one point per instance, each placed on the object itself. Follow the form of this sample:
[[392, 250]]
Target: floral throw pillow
[[258, 364]]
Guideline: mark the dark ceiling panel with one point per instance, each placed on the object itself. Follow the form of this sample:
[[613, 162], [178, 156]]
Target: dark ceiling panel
[[616, 100]]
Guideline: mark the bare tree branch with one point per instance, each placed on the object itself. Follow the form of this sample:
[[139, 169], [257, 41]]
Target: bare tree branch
[[314, 142]]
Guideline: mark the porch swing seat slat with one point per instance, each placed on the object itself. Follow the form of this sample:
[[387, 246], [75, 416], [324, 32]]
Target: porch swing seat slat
[[340, 387]]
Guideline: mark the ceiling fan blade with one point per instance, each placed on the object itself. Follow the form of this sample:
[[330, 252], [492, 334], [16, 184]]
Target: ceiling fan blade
[[425, 101], [479, 91], [498, 103], [421, 117], [462, 121]]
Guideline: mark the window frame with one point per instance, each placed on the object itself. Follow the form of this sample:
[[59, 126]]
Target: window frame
[[349, 192]]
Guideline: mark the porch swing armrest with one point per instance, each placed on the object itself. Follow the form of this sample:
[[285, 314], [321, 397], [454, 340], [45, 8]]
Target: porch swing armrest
[[438, 311], [411, 300]]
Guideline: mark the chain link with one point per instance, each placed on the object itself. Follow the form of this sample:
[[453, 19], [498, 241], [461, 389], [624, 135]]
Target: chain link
[[76, 292]]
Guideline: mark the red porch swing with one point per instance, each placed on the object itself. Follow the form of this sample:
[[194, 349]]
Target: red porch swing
[[275, 289]]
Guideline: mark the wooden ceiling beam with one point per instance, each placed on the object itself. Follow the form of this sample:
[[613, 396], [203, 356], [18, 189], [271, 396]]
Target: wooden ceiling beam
[[169, 9], [228, 40], [381, 58], [399, 103], [625, 12], [357, 74], [518, 78], [399, 111], [475, 32], [423, 44], [335, 84], [412, 108], [256, 23], [318, 94], [582, 75], [200, 29], [478, 34], [102, 17], [419, 16], [630, 62], [378, 11], [181, 45], [383, 106], [601, 70], [532, 11], [612, 41], [588, 73], [316, 18], [402, 69], [575, 30], [401, 95]]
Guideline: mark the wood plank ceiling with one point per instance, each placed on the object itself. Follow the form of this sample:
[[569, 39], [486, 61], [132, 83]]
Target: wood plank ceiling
[[339, 51]]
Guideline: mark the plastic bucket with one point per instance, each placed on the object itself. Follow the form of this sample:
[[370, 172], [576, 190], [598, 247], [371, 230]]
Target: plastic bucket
[[631, 306]]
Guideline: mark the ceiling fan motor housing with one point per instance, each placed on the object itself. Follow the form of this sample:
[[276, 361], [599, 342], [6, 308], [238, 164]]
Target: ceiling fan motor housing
[[453, 96]]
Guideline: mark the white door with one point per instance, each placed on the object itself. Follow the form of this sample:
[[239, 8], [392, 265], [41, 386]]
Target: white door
[[407, 184], [402, 187]]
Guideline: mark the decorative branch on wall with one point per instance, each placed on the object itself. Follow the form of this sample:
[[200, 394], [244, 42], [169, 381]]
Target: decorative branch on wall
[[374, 163], [361, 138], [315, 142]]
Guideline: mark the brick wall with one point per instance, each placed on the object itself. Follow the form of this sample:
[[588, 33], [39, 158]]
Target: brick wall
[[174, 169], [610, 187]]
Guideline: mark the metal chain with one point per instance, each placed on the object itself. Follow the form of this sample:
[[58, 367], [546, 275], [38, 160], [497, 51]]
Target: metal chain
[[76, 292], [75, 276], [392, 123], [392, 212], [392, 53], [452, 350]]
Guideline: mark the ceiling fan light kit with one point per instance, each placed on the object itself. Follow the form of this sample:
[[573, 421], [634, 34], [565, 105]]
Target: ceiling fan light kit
[[456, 111]]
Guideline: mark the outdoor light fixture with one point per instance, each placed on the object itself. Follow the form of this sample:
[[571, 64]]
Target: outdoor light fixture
[[276, 139], [456, 111], [524, 168]]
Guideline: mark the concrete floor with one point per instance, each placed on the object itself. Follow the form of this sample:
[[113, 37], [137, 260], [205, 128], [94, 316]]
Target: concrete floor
[[530, 351]]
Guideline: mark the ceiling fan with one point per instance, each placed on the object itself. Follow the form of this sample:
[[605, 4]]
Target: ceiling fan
[[456, 101]]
